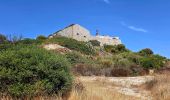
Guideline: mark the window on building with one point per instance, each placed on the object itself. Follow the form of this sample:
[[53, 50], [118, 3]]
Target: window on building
[[85, 36], [77, 33]]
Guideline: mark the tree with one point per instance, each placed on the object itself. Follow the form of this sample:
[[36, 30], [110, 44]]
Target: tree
[[41, 37], [146, 52], [121, 48]]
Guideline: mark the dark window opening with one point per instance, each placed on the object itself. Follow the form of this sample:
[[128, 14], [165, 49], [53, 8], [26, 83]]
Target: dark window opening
[[85, 36], [77, 33]]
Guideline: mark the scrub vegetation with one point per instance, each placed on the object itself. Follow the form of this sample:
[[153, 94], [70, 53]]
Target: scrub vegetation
[[27, 70]]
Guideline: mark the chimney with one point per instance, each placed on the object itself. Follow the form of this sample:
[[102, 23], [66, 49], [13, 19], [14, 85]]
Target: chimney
[[97, 32]]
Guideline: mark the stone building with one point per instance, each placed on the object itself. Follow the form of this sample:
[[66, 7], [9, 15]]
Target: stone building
[[80, 33], [107, 40], [74, 31]]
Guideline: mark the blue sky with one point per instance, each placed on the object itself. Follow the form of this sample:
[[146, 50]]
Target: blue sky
[[139, 23]]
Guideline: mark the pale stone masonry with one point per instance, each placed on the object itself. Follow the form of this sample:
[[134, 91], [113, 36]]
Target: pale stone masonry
[[74, 31], [80, 33]]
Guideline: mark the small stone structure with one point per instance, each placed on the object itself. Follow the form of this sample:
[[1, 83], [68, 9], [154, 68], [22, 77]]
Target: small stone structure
[[80, 33]]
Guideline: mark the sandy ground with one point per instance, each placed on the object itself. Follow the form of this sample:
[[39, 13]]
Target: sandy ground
[[124, 85]]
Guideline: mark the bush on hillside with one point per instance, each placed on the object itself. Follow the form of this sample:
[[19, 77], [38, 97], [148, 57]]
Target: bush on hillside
[[29, 41], [75, 58], [91, 70], [41, 37], [95, 42], [115, 48], [121, 48], [123, 63], [153, 62], [133, 57], [146, 52], [73, 44], [27, 71], [119, 72], [105, 62], [2, 38], [5, 46]]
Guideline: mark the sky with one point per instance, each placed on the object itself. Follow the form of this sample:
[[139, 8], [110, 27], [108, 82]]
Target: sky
[[139, 23]]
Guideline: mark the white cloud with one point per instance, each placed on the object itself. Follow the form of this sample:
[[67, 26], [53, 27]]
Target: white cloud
[[137, 29], [123, 23], [106, 1], [134, 28]]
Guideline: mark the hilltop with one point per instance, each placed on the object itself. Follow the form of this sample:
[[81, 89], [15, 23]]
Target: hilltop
[[92, 58], [45, 66]]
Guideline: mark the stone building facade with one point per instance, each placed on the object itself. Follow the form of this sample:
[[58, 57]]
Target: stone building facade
[[80, 33], [107, 40], [74, 31]]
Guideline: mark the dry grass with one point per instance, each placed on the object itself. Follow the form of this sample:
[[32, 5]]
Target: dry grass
[[98, 91], [87, 91], [160, 89], [35, 98]]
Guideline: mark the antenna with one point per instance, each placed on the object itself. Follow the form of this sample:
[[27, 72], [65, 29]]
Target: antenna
[[97, 32]]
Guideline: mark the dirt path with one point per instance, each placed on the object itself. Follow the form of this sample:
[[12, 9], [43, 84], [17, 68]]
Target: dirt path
[[124, 85]]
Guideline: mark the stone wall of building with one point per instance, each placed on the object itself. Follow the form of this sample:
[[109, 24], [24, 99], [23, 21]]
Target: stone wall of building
[[79, 33], [107, 40], [75, 31]]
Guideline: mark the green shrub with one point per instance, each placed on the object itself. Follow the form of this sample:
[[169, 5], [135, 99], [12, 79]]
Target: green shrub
[[115, 48], [95, 42], [146, 52], [105, 62], [109, 48], [73, 44], [123, 63], [133, 57], [2, 38], [29, 41], [5, 46], [121, 48], [153, 62], [75, 58], [30, 71], [41, 37]]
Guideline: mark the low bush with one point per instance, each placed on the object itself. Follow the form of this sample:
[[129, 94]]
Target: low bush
[[123, 63], [5, 46], [95, 42], [88, 70], [41, 38], [73, 44], [133, 57], [105, 62], [121, 72], [115, 48], [146, 52], [153, 62], [3, 38], [27, 71], [28, 41], [76, 58]]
